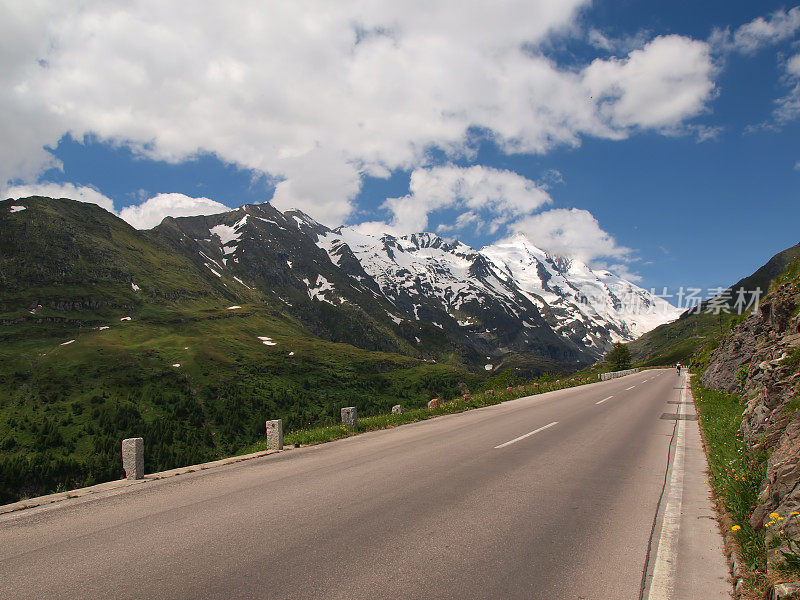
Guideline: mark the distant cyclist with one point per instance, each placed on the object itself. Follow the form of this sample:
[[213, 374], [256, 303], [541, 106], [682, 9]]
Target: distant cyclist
[[679, 368]]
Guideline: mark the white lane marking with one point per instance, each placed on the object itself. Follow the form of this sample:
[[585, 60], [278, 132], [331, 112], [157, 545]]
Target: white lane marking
[[662, 584], [630, 388], [530, 433], [604, 399]]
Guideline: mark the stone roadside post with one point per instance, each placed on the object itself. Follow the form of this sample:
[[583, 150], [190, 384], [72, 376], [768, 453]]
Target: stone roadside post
[[133, 458], [275, 434], [350, 417], [397, 409]]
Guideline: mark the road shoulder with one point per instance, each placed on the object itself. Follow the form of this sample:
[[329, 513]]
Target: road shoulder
[[688, 560]]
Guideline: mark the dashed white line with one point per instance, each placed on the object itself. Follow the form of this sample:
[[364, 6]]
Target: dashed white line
[[530, 433], [604, 399], [630, 388]]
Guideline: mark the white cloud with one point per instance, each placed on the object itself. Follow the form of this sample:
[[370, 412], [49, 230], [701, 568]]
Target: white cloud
[[623, 270], [61, 190], [759, 33], [574, 233], [151, 212], [787, 107], [145, 215], [501, 195], [316, 94], [797, 166], [655, 87], [616, 45]]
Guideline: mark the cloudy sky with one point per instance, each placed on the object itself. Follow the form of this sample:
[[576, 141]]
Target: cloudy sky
[[658, 138]]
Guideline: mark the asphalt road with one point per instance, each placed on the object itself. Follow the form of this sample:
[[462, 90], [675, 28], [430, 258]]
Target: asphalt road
[[445, 508]]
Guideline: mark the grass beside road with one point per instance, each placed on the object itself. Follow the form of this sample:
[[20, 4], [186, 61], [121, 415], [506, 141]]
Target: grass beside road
[[318, 435], [735, 474]]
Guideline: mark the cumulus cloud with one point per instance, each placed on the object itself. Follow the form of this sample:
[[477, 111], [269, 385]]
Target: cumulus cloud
[[61, 190], [318, 94], [151, 212], [498, 194], [758, 33], [655, 87], [574, 233], [146, 215]]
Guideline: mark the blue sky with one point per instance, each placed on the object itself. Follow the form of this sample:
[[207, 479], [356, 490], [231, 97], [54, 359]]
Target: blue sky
[[660, 139]]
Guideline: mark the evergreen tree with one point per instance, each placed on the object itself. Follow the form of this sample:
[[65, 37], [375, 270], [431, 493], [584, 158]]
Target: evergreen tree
[[619, 357]]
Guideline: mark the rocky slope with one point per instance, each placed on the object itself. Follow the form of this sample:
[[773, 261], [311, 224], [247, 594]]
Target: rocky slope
[[760, 359]]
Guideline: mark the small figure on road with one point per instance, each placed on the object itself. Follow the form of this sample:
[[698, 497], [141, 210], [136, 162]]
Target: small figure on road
[[679, 368]]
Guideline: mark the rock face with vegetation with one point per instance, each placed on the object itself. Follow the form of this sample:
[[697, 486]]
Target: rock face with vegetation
[[760, 360]]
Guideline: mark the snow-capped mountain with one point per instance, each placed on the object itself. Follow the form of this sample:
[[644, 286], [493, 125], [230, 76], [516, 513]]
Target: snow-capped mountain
[[421, 294], [591, 308], [607, 305]]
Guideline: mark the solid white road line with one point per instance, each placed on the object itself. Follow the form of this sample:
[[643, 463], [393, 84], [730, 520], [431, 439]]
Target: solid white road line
[[662, 584], [604, 399], [630, 388], [530, 433]]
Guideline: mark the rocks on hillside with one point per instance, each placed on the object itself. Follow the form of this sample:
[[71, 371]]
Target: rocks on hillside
[[759, 359]]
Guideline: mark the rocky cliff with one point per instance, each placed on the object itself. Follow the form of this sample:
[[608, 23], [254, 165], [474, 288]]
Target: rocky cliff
[[760, 359]]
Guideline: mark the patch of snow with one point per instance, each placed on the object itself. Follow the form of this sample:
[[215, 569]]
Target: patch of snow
[[208, 258], [267, 341], [242, 282], [176, 365], [212, 270], [288, 262], [65, 343], [14, 209], [488, 367], [103, 328], [229, 236], [395, 318], [317, 291], [125, 319], [291, 353], [418, 340], [134, 287], [437, 325], [233, 307]]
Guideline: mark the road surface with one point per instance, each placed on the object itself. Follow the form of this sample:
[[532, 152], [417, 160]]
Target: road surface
[[548, 497]]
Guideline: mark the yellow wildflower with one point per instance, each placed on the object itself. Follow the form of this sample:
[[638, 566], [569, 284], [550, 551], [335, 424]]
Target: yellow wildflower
[[774, 515], [735, 528]]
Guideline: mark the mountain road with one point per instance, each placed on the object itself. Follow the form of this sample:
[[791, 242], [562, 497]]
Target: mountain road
[[553, 496]]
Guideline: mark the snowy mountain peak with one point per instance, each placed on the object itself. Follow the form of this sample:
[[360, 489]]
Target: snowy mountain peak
[[593, 309]]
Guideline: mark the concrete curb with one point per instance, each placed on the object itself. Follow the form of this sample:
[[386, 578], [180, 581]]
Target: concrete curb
[[123, 483]]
